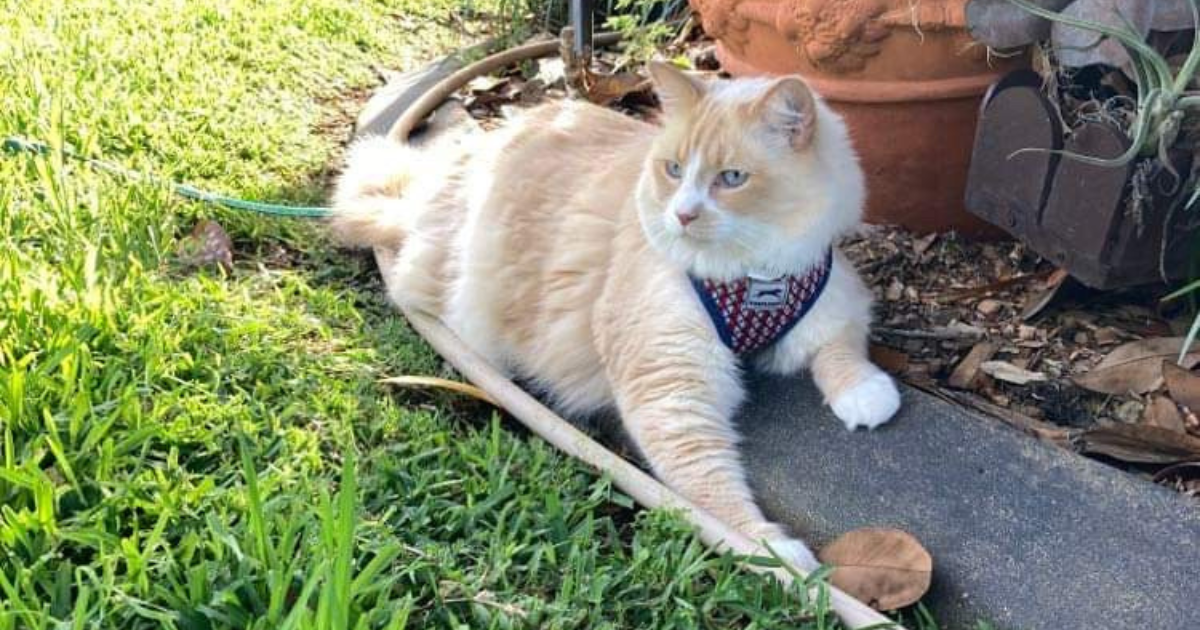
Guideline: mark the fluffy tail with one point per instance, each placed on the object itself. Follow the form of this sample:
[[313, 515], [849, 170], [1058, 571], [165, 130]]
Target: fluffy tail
[[368, 206]]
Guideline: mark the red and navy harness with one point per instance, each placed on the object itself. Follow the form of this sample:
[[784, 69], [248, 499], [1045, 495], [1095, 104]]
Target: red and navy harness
[[752, 313]]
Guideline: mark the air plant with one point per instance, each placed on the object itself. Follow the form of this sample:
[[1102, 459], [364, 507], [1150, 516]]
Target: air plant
[[1164, 99], [1163, 95]]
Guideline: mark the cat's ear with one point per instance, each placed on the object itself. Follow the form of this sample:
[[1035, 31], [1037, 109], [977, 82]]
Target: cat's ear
[[789, 108], [677, 90]]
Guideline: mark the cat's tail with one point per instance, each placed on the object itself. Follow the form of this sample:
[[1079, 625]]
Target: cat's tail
[[368, 205]]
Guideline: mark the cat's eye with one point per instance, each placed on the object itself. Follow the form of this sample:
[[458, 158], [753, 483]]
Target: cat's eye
[[674, 170], [732, 178]]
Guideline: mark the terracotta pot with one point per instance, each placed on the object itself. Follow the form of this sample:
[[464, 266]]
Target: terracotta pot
[[905, 75]]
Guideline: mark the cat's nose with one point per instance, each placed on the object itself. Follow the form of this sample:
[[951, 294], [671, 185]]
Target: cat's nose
[[687, 215]]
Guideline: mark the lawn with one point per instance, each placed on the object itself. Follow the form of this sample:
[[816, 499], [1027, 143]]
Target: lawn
[[198, 449]]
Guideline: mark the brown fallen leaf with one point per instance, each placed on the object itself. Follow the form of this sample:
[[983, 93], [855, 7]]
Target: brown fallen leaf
[[602, 88], [1162, 412], [886, 568], [1139, 443], [1009, 373], [1135, 367], [1107, 335], [1050, 289], [1182, 384], [988, 307], [922, 245], [967, 371], [1190, 421], [441, 383], [208, 244], [889, 359], [895, 291]]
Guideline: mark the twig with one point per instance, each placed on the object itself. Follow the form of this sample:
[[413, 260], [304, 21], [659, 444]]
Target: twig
[[992, 287], [942, 333]]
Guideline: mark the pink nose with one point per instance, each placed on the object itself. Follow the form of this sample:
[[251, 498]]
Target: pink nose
[[687, 215]]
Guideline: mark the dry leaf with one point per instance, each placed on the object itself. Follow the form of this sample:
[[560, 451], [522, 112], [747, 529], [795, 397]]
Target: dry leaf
[[1107, 335], [1140, 443], [1182, 384], [1040, 300], [1163, 413], [968, 369], [891, 360], [1009, 373], [886, 568], [1135, 367], [208, 244], [1190, 421], [441, 383], [603, 89], [988, 307], [894, 291], [921, 245]]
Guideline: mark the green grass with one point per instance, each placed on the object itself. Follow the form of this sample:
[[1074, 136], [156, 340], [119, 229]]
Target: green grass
[[204, 450]]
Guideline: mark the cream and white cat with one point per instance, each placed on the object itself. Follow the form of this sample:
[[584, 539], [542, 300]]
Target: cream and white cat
[[566, 249]]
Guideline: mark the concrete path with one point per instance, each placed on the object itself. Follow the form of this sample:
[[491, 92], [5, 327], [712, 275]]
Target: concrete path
[[1022, 534]]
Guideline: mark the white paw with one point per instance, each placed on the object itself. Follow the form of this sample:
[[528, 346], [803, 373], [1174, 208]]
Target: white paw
[[868, 404], [795, 553]]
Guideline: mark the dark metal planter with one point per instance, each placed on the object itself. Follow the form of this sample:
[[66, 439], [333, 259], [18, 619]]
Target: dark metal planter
[[1075, 214]]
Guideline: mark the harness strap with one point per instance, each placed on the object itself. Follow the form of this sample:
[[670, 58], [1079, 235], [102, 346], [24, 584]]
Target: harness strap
[[750, 314]]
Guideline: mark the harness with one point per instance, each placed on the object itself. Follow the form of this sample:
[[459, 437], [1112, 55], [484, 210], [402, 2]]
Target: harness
[[752, 313]]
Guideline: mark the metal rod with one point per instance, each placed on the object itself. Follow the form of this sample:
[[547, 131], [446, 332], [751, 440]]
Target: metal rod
[[582, 24]]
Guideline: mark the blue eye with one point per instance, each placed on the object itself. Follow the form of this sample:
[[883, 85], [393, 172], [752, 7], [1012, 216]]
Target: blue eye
[[732, 178], [674, 170]]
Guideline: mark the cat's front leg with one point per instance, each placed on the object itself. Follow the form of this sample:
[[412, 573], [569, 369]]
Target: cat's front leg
[[860, 394], [678, 412]]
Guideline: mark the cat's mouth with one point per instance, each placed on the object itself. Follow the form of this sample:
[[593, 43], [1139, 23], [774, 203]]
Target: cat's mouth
[[693, 233]]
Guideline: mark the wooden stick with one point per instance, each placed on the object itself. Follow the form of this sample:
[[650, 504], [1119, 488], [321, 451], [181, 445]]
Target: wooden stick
[[941, 333], [630, 479]]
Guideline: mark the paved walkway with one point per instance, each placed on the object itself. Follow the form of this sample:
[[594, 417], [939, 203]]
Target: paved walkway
[[1022, 534]]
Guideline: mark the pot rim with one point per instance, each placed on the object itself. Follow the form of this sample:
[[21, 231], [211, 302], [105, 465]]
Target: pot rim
[[894, 91], [845, 90]]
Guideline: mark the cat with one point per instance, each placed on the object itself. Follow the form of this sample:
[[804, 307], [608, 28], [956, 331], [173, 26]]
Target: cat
[[585, 251]]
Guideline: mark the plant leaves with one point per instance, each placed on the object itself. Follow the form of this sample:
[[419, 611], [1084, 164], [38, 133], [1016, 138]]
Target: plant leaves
[[1009, 373], [1182, 384], [1139, 443], [890, 360], [1163, 413], [1135, 367], [967, 371], [441, 383], [886, 568], [602, 88], [1039, 300]]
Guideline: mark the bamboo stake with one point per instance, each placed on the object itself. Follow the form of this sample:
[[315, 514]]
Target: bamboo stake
[[629, 478]]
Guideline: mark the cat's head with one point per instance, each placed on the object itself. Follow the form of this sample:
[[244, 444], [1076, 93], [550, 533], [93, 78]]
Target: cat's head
[[747, 175]]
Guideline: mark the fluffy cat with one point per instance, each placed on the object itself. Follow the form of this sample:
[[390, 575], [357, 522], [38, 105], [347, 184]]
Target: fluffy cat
[[566, 248]]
